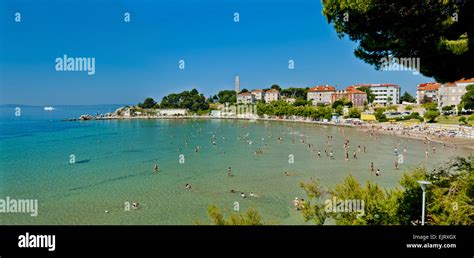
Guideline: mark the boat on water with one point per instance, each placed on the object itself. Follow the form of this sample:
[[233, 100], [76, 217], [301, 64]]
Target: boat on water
[[48, 108]]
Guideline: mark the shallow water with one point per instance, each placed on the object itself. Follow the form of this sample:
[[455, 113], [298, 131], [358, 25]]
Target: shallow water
[[115, 160]]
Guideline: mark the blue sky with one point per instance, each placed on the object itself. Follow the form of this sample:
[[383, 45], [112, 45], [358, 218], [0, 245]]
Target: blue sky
[[140, 59]]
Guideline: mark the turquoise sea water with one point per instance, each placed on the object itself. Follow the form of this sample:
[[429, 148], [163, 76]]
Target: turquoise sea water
[[115, 160]]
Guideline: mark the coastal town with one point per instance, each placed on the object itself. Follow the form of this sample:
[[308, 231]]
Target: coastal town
[[436, 112]]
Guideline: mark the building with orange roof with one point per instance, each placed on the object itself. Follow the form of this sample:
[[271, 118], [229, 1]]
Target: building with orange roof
[[245, 98], [321, 94], [258, 94], [427, 91], [271, 95], [357, 97]]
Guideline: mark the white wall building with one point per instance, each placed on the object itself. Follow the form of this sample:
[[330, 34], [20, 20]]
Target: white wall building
[[450, 94], [258, 94], [245, 98], [384, 92], [172, 112], [271, 95]]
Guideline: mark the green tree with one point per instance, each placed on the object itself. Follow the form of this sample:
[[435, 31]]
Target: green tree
[[191, 100], [250, 218], [148, 103], [368, 91], [430, 106], [275, 87], [379, 115], [244, 90], [227, 96], [354, 113], [422, 29], [431, 115], [407, 97], [449, 199], [467, 100], [298, 93]]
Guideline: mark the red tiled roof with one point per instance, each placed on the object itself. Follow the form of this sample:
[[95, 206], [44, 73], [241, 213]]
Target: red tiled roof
[[272, 91], [245, 93], [257, 90], [449, 84], [322, 88], [428, 86], [463, 80], [354, 91]]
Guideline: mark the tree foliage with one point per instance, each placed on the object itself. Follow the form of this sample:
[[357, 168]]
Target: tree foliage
[[368, 91], [440, 33], [449, 199], [407, 97], [250, 218], [281, 108], [227, 96], [467, 100], [298, 93], [191, 100], [148, 103]]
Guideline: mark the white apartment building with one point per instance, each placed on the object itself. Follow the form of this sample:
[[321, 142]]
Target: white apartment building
[[245, 98], [450, 94], [383, 93], [271, 95], [258, 94]]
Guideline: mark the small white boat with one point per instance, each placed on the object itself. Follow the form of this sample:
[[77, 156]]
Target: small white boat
[[48, 108]]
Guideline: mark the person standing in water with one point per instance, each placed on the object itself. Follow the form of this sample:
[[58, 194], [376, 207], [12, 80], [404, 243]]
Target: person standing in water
[[229, 171], [157, 169]]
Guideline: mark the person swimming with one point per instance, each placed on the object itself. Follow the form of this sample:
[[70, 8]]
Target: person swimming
[[377, 173], [242, 195], [229, 171], [135, 205], [157, 169], [187, 186], [296, 203]]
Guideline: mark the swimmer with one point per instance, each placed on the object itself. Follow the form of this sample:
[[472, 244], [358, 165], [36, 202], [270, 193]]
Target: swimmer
[[187, 186], [135, 205], [229, 171], [377, 173], [157, 169], [242, 195], [319, 153]]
